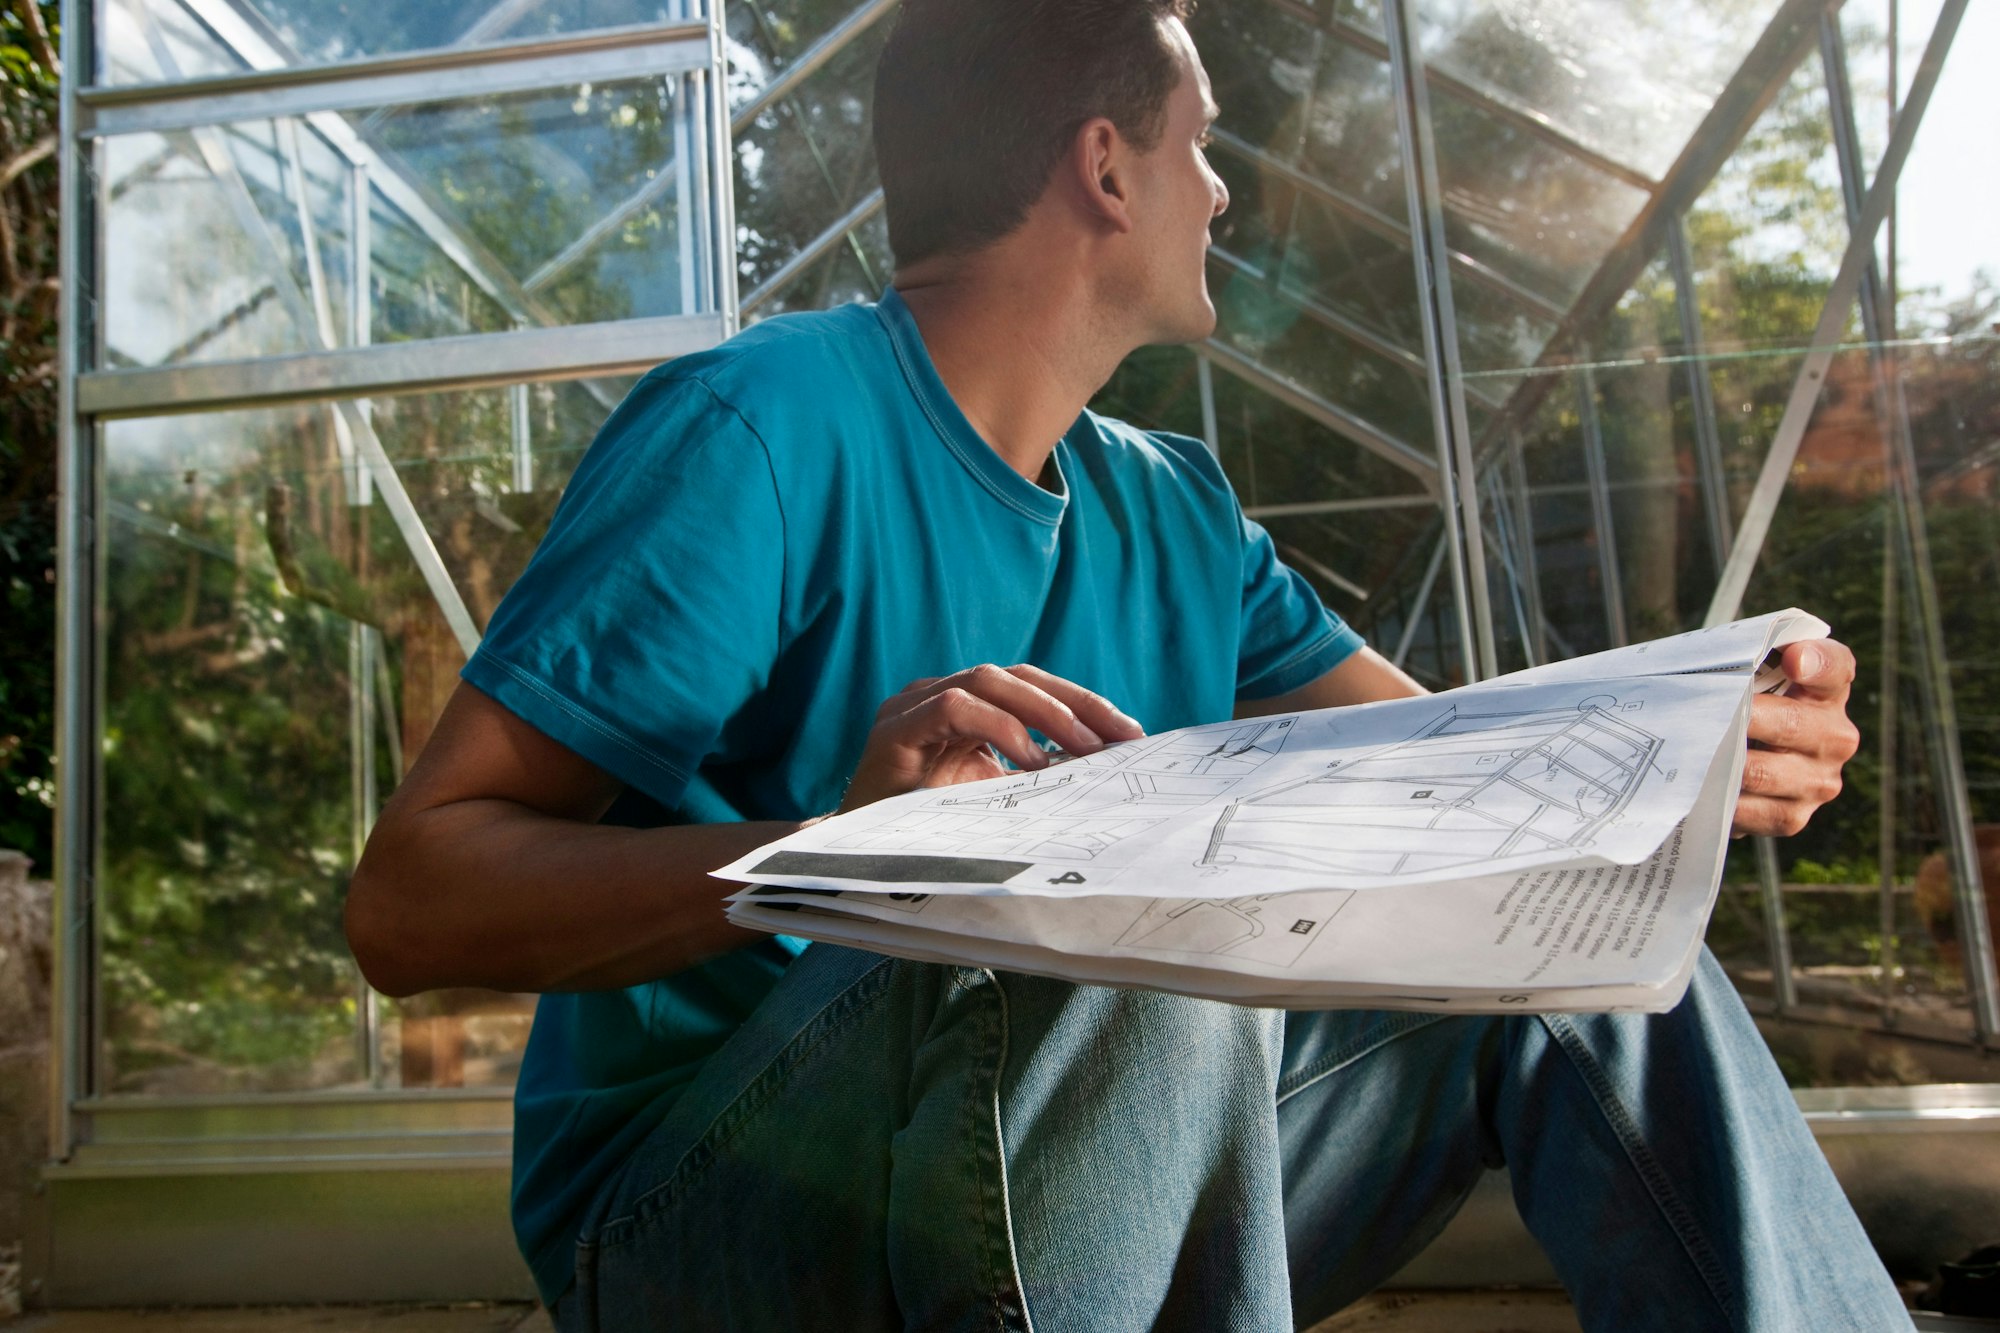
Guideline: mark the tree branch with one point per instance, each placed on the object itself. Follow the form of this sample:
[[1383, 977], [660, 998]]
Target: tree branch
[[38, 151], [31, 19]]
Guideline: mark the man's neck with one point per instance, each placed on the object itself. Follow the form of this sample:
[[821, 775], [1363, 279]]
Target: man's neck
[[1020, 351]]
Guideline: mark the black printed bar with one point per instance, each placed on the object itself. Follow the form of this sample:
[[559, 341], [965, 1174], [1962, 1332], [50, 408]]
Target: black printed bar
[[880, 869]]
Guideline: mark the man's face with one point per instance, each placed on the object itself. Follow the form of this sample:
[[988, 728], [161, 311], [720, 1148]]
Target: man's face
[[1176, 196]]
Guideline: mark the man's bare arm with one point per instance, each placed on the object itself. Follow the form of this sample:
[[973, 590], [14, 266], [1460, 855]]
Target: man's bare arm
[[1363, 678], [488, 868]]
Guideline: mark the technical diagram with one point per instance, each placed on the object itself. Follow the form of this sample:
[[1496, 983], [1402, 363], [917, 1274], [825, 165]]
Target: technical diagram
[[1074, 810], [1271, 929], [1465, 790]]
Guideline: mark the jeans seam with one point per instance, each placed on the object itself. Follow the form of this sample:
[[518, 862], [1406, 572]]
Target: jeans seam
[[1676, 1213], [1399, 1025], [844, 1008], [989, 1161]]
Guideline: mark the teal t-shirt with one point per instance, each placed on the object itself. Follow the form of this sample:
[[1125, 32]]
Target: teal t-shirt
[[766, 541]]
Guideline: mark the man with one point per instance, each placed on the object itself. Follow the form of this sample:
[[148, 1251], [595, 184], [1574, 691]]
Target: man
[[720, 1130]]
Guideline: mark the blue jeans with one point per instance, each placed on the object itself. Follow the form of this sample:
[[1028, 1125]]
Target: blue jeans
[[899, 1145]]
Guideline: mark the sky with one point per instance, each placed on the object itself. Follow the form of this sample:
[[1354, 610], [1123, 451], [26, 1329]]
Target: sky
[[1948, 206]]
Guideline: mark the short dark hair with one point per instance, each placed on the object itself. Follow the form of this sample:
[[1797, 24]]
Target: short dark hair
[[976, 101]]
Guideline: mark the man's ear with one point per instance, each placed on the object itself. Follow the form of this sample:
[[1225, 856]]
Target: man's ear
[[1098, 168]]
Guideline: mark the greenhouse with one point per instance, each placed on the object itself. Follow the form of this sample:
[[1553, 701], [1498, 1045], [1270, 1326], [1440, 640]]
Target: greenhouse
[[1544, 328]]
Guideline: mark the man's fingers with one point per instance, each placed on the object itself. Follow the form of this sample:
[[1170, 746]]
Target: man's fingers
[[957, 715], [1769, 817], [1818, 727], [1094, 710], [1790, 777], [1015, 692], [1820, 669]]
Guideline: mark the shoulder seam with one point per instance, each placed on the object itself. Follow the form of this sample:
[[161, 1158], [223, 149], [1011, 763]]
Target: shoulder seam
[[777, 499]]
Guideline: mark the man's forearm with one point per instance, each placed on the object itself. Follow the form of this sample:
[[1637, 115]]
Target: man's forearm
[[1366, 677], [494, 894]]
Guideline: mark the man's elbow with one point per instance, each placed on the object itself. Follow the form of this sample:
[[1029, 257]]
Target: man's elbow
[[380, 933]]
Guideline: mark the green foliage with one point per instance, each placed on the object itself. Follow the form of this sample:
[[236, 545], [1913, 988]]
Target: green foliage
[[29, 78]]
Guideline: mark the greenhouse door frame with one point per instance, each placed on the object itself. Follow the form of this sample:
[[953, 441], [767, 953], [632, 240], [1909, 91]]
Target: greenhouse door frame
[[382, 1194]]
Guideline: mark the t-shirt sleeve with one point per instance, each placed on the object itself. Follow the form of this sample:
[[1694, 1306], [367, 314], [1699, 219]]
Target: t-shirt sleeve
[[650, 613], [1289, 639]]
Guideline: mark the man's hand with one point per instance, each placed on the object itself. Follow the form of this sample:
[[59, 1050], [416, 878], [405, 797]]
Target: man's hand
[[945, 729], [1798, 741]]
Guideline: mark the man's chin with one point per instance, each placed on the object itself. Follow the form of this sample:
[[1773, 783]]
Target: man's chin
[[1196, 325]]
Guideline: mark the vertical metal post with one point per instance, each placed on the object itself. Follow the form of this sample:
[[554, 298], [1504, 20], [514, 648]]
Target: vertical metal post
[[721, 171], [1887, 743], [1415, 615], [1510, 561], [1457, 480], [360, 304], [1933, 666], [78, 559], [361, 647], [1524, 525], [686, 219], [1608, 572], [1701, 394], [1204, 378], [523, 437], [1784, 987]]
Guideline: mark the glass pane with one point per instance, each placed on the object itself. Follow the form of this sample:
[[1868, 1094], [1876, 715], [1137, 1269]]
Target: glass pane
[[1629, 78], [1276, 456], [275, 663], [1305, 99], [484, 215], [310, 32], [1530, 210], [1157, 388], [766, 36], [805, 162]]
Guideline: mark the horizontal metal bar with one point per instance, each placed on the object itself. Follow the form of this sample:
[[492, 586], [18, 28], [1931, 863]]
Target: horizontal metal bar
[[813, 250], [472, 362], [421, 1099], [837, 39], [1329, 414], [430, 76], [80, 1168]]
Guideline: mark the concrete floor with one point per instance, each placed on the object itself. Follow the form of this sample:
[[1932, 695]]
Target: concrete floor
[[1399, 1312]]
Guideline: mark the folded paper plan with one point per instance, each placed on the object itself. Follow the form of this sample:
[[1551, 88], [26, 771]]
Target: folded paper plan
[[1550, 839]]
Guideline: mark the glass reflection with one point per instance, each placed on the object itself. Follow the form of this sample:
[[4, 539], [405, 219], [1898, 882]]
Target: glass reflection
[[275, 663], [804, 162], [1626, 77], [480, 216]]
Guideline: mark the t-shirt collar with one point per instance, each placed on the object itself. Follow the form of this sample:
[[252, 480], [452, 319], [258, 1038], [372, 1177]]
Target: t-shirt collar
[[992, 472]]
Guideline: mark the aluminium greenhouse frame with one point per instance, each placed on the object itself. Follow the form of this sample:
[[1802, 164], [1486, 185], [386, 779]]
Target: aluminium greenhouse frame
[[415, 1181]]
